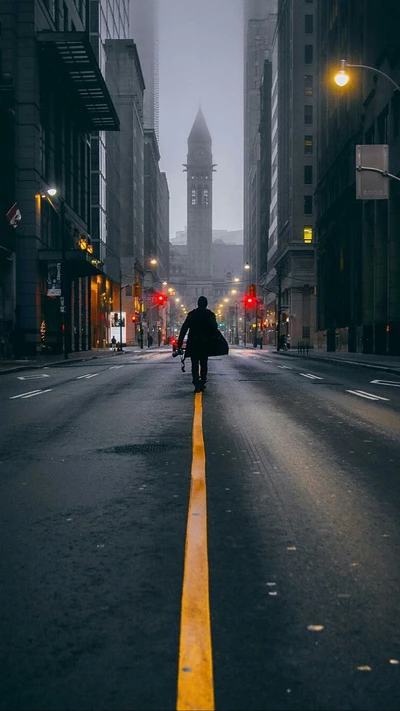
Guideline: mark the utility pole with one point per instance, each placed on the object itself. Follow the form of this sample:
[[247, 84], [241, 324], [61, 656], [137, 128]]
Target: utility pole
[[278, 327], [64, 301], [237, 325], [120, 308]]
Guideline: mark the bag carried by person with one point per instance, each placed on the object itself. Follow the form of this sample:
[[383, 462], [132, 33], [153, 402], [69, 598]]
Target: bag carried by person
[[218, 345]]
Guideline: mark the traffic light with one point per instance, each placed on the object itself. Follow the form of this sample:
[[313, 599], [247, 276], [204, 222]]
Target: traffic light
[[160, 299], [133, 318], [250, 301]]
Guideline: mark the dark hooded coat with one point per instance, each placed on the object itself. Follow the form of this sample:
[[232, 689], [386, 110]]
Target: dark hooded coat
[[202, 326]]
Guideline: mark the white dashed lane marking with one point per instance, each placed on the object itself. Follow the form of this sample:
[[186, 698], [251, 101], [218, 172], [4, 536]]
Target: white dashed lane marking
[[32, 377], [367, 396], [391, 383], [32, 393], [310, 375], [87, 376]]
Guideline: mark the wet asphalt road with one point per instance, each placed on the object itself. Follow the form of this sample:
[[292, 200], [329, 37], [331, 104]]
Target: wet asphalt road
[[303, 490]]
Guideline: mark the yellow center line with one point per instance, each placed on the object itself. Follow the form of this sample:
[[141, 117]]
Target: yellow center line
[[195, 674]]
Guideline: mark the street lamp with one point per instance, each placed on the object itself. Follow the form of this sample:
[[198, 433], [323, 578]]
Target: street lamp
[[47, 194], [342, 77]]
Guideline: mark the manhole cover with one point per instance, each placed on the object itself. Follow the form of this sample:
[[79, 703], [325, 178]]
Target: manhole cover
[[133, 449]]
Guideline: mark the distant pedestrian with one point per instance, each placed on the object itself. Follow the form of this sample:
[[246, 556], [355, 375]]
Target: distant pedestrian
[[307, 347], [202, 326], [149, 341], [114, 344]]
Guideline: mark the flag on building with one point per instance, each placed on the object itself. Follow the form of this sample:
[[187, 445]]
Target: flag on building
[[14, 215]]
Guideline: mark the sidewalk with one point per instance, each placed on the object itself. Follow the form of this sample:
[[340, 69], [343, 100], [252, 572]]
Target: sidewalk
[[43, 361], [390, 364]]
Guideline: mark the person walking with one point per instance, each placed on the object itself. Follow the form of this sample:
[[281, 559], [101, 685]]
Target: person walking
[[113, 344], [202, 326]]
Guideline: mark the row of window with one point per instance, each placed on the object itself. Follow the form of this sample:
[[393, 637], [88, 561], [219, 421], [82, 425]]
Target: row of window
[[200, 196], [308, 120]]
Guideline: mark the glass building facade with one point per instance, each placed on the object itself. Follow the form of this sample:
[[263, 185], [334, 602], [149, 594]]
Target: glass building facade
[[108, 19]]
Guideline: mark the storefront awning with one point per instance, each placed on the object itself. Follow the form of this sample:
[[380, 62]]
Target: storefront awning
[[80, 263], [73, 50]]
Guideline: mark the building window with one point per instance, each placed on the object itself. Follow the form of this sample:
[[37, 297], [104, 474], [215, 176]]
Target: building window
[[308, 84], [193, 196], [309, 24], [308, 145], [308, 114], [308, 204], [308, 54], [308, 174], [307, 234], [205, 196]]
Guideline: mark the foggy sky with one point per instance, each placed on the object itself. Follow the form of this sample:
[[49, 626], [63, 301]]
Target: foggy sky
[[201, 61]]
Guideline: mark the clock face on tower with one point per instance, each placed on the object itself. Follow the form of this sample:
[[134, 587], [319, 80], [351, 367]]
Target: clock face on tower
[[199, 154]]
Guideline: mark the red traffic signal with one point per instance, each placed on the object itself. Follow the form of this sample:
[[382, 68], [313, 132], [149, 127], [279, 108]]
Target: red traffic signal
[[250, 301], [133, 318], [160, 299]]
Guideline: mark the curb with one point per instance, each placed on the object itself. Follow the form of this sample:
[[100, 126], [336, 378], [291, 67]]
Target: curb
[[37, 366], [339, 361]]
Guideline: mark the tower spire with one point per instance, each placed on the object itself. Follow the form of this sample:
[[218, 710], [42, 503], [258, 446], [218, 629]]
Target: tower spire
[[199, 130]]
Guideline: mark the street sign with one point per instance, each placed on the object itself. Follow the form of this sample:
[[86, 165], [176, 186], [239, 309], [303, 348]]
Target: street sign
[[371, 164], [284, 307]]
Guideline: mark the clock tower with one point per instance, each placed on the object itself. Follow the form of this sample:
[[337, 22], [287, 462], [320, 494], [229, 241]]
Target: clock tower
[[199, 168]]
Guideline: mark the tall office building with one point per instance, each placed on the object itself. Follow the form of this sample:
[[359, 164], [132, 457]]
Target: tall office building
[[52, 81], [297, 88], [144, 23], [108, 20], [259, 27], [199, 210], [124, 64], [357, 241], [268, 279]]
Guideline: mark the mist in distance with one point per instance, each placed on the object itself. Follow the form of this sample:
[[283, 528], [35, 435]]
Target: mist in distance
[[201, 62]]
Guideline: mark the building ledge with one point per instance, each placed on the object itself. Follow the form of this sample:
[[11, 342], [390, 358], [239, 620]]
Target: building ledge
[[80, 263], [73, 51]]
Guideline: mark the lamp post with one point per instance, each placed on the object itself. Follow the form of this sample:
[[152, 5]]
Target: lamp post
[[47, 195], [120, 307], [247, 267], [278, 326], [342, 78]]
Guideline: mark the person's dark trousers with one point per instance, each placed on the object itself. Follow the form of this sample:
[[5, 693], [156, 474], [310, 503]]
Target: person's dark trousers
[[203, 363]]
